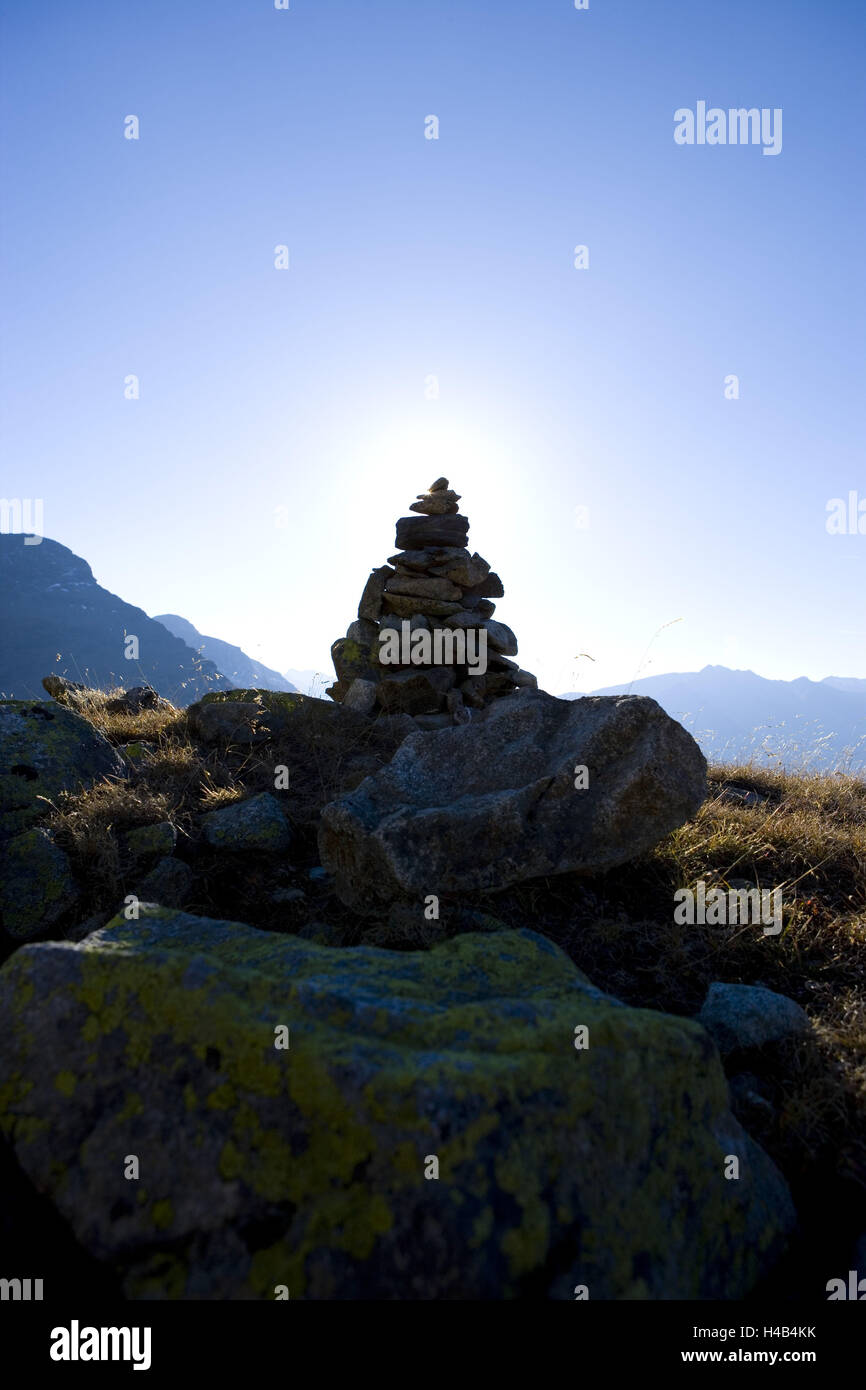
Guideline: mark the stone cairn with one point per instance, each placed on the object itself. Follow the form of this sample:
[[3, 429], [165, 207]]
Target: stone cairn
[[433, 583]]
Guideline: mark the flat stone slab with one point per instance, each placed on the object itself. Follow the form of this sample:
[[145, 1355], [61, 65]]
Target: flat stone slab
[[421, 532]]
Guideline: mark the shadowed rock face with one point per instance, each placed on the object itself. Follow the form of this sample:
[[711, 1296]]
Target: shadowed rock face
[[44, 750], [483, 805], [305, 1165]]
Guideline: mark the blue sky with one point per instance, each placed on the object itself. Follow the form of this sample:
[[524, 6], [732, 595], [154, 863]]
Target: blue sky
[[283, 426]]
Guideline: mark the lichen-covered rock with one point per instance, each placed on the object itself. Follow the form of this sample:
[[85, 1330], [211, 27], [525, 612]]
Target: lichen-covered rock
[[253, 716], [46, 749], [148, 840], [134, 752], [37, 886], [354, 660], [740, 1017], [482, 805], [257, 823], [305, 1165]]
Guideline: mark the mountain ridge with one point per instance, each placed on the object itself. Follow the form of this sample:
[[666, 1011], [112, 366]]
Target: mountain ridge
[[55, 619], [736, 715], [242, 670]]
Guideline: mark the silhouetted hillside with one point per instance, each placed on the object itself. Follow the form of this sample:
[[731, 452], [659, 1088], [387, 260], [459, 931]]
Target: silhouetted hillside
[[55, 619], [243, 671]]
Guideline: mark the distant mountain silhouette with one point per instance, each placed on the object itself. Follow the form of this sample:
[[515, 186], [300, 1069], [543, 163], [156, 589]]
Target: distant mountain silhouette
[[56, 620], [241, 670], [852, 683], [737, 716]]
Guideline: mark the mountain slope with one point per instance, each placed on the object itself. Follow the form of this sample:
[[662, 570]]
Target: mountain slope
[[737, 715], [56, 620], [241, 670]]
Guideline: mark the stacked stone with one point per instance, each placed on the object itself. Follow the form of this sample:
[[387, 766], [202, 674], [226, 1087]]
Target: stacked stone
[[432, 582]]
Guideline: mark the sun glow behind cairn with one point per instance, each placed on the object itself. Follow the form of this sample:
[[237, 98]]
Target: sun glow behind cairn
[[396, 459]]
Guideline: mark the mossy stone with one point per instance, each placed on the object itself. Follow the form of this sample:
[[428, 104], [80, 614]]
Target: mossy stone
[[151, 840], [46, 749], [37, 886], [304, 1164], [255, 824]]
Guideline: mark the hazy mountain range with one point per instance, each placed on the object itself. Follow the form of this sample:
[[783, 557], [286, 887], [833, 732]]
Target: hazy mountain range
[[736, 716]]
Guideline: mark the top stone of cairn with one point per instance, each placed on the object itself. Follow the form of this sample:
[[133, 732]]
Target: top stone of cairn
[[438, 500]]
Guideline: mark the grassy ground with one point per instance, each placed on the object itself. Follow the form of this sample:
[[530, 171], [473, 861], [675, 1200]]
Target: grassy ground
[[806, 1103]]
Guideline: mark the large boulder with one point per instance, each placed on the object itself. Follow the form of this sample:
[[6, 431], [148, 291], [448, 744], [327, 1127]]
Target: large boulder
[[493, 802], [314, 1165], [46, 749], [254, 716]]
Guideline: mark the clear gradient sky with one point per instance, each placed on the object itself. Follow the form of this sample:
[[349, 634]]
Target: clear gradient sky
[[304, 389]]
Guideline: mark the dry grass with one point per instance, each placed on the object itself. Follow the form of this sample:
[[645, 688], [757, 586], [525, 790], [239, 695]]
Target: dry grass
[[807, 837], [119, 725]]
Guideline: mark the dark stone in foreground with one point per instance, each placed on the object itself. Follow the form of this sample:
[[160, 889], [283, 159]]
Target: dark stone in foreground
[[305, 1165]]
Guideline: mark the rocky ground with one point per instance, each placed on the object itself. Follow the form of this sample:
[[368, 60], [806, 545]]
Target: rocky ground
[[431, 918]]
